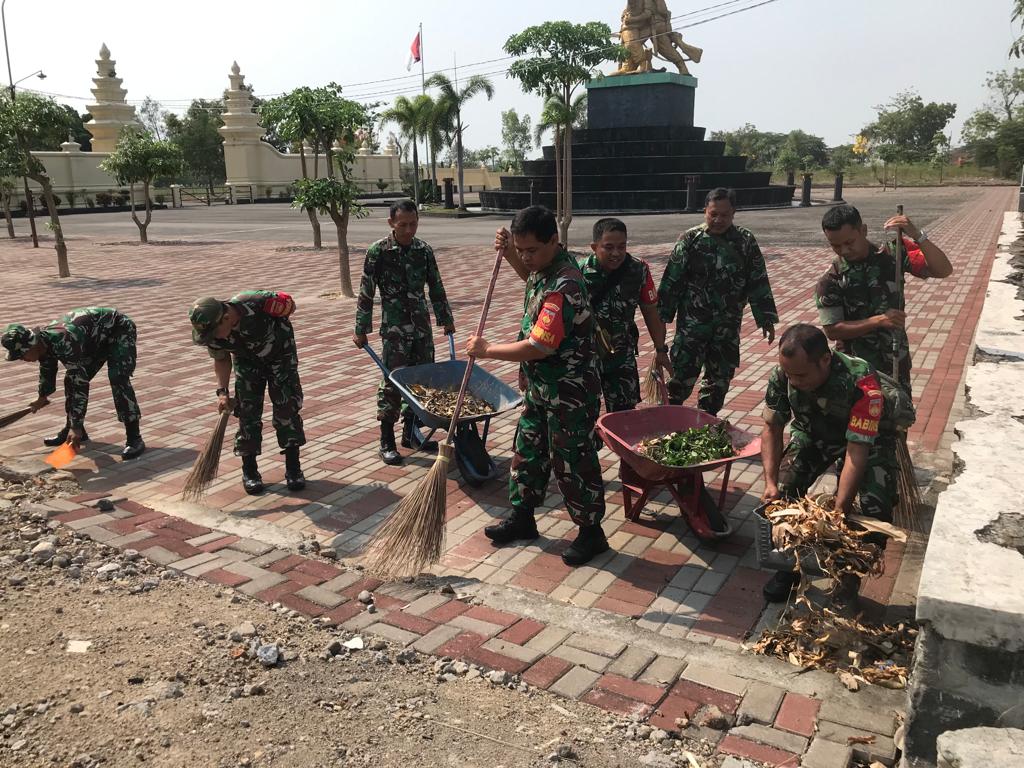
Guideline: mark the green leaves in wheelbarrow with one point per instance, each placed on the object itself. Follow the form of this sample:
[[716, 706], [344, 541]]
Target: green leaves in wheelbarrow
[[694, 446]]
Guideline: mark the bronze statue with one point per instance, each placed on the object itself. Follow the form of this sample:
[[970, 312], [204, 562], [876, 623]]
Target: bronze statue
[[644, 20]]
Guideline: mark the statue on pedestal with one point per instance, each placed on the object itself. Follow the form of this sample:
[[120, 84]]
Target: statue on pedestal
[[651, 20]]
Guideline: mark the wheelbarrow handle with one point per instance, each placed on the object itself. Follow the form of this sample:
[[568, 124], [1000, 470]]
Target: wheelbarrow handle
[[451, 345], [376, 358]]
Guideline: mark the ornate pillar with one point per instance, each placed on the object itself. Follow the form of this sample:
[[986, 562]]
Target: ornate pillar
[[111, 112]]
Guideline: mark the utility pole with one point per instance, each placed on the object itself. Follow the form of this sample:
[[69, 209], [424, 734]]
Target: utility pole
[[10, 78]]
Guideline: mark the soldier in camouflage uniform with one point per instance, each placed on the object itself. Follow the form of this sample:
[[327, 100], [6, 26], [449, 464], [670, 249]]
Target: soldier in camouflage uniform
[[401, 265], [84, 340], [857, 299], [618, 284], [842, 410], [714, 270], [253, 331], [561, 383]]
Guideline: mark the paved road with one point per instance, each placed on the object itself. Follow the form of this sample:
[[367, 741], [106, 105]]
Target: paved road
[[279, 223]]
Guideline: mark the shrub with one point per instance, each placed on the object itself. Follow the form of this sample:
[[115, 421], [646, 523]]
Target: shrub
[[72, 195], [90, 202], [283, 194], [23, 205], [160, 199], [105, 199], [268, 192], [121, 198]]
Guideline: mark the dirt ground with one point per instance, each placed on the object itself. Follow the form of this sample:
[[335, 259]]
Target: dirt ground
[[168, 677]]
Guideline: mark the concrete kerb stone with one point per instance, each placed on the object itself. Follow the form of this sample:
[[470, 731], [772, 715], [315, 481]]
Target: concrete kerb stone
[[761, 703], [632, 662], [790, 742], [575, 683], [826, 754]]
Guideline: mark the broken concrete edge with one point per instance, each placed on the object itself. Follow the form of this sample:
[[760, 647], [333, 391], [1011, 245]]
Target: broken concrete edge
[[981, 748], [970, 589]]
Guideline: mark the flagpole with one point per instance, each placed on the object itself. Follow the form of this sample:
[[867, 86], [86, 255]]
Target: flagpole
[[423, 75]]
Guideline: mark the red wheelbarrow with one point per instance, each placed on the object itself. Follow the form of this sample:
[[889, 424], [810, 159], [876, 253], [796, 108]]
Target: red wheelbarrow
[[642, 477]]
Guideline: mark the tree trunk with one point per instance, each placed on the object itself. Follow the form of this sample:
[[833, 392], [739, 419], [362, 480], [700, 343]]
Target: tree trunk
[[558, 173], [567, 185], [433, 163], [458, 160], [313, 221], [316, 159], [143, 238], [415, 172], [149, 213], [7, 214], [63, 270]]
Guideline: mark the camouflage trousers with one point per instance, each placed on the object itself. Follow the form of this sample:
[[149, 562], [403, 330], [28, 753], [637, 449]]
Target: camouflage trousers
[[620, 382], [120, 359], [804, 460], [549, 438], [397, 354], [716, 350], [253, 377]]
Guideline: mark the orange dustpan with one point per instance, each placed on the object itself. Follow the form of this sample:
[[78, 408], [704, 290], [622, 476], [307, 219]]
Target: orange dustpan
[[61, 457]]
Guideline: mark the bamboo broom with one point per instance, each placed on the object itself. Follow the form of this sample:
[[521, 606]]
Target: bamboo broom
[[6, 421], [204, 470], [653, 388], [906, 513], [412, 538]]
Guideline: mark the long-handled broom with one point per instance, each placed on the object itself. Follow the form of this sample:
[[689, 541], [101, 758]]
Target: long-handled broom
[[653, 388], [204, 470], [6, 421], [413, 537], [905, 515]]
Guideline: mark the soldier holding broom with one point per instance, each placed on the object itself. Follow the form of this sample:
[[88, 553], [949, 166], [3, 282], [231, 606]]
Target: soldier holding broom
[[857, 297], [561, 383], [84, 340], [253, 331], [401, 265]]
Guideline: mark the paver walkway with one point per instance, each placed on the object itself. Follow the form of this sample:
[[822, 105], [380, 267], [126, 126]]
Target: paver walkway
[[658, 578]]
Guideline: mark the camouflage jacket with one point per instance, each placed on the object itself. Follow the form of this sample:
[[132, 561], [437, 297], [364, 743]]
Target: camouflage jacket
[[615, 308], [569, 375], [710, 278], [863, 289], [80, 339], [856, 404], [263, 332], [401, 274]]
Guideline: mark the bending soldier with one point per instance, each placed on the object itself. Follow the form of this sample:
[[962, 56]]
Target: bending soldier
[[401, 265], [84, 340], [252, 333]]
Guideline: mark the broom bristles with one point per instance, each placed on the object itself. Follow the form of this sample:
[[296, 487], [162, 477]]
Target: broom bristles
[[412, 538], [13, 417], [906, 513], [204, 470], [651, 389]]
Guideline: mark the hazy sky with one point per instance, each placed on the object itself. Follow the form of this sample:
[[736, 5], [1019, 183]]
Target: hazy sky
[[818, 65]]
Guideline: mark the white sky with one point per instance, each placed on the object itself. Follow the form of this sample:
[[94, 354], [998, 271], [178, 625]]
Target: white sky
[[818, 65]]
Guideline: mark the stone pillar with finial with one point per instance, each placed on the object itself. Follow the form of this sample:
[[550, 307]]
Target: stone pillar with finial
[[241, 131], [111, 112]]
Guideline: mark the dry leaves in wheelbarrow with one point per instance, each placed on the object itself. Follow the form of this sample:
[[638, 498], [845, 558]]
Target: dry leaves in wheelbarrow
[[441, 402]]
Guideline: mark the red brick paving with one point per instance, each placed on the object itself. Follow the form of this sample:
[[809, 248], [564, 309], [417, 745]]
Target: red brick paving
[[798, 714], [545, 672], [735, 745]]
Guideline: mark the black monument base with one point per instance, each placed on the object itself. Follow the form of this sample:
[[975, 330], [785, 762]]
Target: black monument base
[[648, 100]]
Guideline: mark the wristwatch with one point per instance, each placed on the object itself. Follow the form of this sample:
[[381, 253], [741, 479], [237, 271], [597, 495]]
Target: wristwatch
[[921, 237], [662, 348], [222, 391]]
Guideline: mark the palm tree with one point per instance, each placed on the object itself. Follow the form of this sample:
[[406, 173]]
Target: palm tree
[[561, 119], [452, 101], [412, 117], [437, 130]]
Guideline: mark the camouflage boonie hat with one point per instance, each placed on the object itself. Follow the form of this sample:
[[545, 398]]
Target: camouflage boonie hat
[[204, 316], [17, 340]]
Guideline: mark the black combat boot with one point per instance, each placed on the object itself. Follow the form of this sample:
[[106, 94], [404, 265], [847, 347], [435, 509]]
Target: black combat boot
[[293, 470], [412, 438], [134, 445], [388, 451], [590, 542], [252, 481], [62, 437], [519, 525], [779, 586]]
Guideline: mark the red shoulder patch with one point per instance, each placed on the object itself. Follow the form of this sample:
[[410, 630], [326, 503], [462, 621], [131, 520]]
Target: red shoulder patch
[[867, 411]]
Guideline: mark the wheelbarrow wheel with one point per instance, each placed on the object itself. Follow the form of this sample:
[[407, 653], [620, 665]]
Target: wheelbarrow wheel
[[471, 457]]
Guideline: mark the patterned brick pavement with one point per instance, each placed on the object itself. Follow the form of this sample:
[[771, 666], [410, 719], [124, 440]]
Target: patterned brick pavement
[[656, 571]]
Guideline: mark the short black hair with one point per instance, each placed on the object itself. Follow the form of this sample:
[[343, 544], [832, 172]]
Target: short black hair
[[721, 193], [838, 217], [608, 225], [405, 206], [809, 338], [536, 220]]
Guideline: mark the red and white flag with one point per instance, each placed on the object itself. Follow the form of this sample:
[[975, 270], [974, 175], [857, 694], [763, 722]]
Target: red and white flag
[[414, 53]]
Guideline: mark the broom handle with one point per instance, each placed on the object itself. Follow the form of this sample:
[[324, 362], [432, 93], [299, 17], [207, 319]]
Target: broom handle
[[469, 362], [899, 296]]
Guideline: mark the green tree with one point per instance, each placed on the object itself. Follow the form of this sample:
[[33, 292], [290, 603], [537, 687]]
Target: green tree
[[450, 104], [759, 147], [788, 161], [840, 158], [10, 168], [335, 118], [554, 60], [906, 126], [413, 118], [292, 117], [139, 158], [1017, 49], [979, 134], [517, 138], [941, 153], [807, 145], [202, 147], [1006, 88], [153, 117], [558, 118], [26, 121]]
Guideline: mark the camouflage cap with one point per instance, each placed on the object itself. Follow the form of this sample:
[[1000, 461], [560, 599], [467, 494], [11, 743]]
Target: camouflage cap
[[17, 340], [204, 316]]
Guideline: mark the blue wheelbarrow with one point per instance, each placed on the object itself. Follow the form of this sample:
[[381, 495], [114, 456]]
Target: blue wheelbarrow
[[471, 456]]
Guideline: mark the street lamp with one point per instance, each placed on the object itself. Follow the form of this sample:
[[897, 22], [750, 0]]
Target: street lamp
[[38, 73], [10, 78]]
